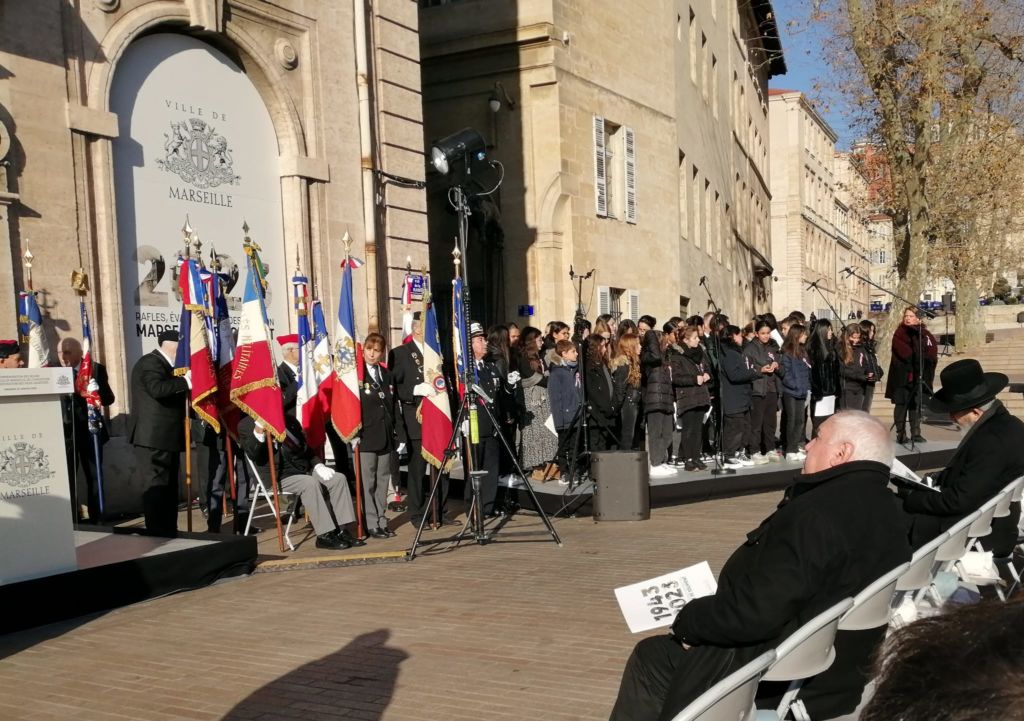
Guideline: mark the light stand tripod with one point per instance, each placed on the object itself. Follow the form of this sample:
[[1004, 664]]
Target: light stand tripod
[[717, 417], [579, 430], [469, 408], [919, 371]]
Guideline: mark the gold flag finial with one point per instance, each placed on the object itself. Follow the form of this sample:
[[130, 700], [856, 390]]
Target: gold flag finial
[[80, 281]]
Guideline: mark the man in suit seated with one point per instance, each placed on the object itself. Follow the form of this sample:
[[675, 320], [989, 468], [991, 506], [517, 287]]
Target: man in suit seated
[[990, 455], [835, 531], [78, 435], [324, 492]]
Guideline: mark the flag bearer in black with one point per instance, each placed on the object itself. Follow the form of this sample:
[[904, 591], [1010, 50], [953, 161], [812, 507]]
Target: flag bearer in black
[[406, 364], [490, 380], [376, 439]]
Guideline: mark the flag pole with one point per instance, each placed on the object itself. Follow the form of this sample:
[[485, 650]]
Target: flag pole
[[215, 266], [28, 267], [357, 466], [80, 284], [462, 351], [277, 501], [187, 231], [435, 473]]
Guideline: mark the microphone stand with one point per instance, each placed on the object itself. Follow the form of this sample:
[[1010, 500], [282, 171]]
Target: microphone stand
[[919, 375], [719, 417], [584, 422], [835, 313]]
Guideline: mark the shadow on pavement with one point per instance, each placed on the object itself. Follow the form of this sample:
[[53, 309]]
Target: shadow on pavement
[[358, 680]]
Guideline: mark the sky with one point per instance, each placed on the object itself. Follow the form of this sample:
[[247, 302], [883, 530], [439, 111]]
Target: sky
[[803, 50]]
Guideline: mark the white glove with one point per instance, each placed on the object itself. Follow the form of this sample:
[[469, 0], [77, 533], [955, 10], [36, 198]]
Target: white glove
[[258, 433], [93, 386], [354, 443], [323, 472], [465, 428], [423, 389], [513, 378], [401, 449], [188, 378]]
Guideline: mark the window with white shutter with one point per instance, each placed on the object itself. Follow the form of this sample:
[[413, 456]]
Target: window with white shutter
[[604, 300], [634, 306], [630, 156], [600, 169]]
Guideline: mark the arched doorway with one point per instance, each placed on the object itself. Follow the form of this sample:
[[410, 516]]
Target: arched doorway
[[196, 140]]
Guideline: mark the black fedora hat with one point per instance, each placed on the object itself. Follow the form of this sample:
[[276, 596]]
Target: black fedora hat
[[965, 385]]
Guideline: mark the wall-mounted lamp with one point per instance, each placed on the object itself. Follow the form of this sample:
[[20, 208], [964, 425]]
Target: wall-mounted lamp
[[498, 93]]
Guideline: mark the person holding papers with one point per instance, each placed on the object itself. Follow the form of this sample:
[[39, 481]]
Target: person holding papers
[[990, 455], [835, 531]]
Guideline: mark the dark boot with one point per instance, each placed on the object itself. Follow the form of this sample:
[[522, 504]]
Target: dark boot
[[915, 427], [899, 416]]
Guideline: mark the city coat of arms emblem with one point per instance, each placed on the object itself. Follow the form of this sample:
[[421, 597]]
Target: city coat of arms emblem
[[23, 464], [198, 155]]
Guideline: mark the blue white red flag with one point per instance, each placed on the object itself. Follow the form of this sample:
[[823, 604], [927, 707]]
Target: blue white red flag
[[322, 359], [346, 411], [194, 345], [92, 398], [459, 336], [435, 409], [254, 387], [407, 308], [222, 347], [30, 324], [308, 406]]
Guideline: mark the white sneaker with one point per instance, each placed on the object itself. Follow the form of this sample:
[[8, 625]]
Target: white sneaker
[[775, 456], [732, 462], [744, 459], [794, 458], [759, 459], [661, 471]]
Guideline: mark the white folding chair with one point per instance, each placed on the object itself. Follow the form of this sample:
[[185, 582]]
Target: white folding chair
[[871, 606], [982, 525], [262, 492], [732, 698], [918, 574], [806, 653], [954, 547], [1012, 491]]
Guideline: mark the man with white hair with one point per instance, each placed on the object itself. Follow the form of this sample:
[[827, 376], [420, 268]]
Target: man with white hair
[[835, 531]]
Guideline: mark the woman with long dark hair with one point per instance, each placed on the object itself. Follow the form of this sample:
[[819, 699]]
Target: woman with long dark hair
[[625, 366], [826, 381], [600, 396], [796, 384], [855, 368], [658, 400], [762, 351], [738, 376], [867, 341], [690, 378]]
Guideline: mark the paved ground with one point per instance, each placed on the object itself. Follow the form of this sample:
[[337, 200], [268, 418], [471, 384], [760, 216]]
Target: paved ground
[[520, 629]]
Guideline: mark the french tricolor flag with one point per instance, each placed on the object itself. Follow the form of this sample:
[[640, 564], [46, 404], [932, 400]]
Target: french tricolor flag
[[254, 387], [194, 347], [308, 405], [435, 409], [346, 412], [407, 308]]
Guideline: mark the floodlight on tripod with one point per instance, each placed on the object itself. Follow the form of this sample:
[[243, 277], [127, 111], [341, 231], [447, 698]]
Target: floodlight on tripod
[[466, 146]]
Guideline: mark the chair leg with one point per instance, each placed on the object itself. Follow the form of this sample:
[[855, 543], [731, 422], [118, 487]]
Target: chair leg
[[788, 699], [799, 711], [287, 532]]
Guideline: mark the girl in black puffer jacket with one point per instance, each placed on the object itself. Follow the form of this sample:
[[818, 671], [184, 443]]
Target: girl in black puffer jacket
[[691, 375], [738, 376], [658, 398], [826, 380]]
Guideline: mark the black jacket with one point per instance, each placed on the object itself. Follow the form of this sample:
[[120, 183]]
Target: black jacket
[[988, 458], [289, 387], [293, 456], [833, 534], [406, 364], [738, 378], [825, 375], [761, 355], [601, 396], [657, 377], [684, 378], [907, 341], [491, 380], [623, 394], [75, 411], [158, 405], [377, 434]]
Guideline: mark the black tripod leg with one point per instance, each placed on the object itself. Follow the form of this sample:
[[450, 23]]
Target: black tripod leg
[[529, 488], [449, 454]]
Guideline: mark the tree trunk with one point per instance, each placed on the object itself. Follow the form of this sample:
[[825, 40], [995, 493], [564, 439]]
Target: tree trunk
[[970, 316]]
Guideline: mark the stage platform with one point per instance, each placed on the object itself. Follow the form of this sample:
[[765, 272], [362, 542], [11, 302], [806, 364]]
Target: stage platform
[[692, 487], [117, 567]]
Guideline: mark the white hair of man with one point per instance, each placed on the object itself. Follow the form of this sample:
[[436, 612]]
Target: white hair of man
[[868, 436]]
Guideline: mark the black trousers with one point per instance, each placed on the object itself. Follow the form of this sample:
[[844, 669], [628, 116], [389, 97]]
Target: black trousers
[[567, 448], [488, 458], [416, 484], [793, 413], [763, 413], [158, 473], [737, 427], [80, 450], [659, 436], [628, 417], [209, 472], [691, 429], [853, 397]]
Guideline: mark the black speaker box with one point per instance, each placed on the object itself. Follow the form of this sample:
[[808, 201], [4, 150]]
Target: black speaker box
[[621, 486]]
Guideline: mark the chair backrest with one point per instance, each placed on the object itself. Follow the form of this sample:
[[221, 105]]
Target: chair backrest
[[1018, 491], [811, 648], [1009, 495], [982, 525], [871, 606], [732, 698], [919, 574], [956, 541]]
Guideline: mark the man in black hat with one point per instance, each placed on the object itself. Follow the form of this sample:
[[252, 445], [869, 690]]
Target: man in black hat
[[10, 354], [156, 428], [490, 380], [990, 455]]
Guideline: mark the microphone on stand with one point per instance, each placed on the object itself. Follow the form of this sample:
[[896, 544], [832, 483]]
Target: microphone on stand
[[572, 276], [703, 280], [813, 284], [849, 271]]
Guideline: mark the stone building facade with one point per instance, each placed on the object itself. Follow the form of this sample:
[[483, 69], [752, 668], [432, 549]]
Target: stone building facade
[[119, 119], [634, 148], [853, 228]]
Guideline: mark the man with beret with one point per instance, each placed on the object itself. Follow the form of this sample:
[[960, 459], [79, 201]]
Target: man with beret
[[288, 370], [406, 365], [990, 455], [10, 354], [156, 428]]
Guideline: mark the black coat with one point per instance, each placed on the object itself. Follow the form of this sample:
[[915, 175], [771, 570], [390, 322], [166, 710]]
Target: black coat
[[907, 341], [289, 387], [406, 364], [833, 534], [684, 379], [75, 411], [826, 379], [988, 458], [377, 434], [491, 380], [657, 377], [293, 456], [158, 405], [738, 378], [601, 396], [761, 355]]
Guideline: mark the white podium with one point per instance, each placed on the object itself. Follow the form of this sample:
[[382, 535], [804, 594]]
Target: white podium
[[36, 525]]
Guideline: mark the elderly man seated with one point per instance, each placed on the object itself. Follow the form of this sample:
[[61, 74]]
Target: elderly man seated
[[835, 531], [324, 492], [990, 455]]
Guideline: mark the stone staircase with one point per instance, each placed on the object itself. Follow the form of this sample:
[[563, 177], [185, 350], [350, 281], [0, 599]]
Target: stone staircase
[[1005, 354]]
